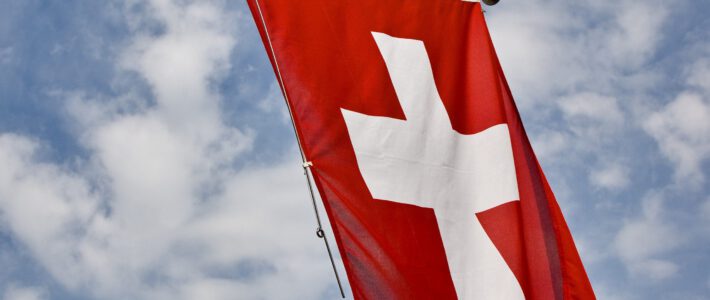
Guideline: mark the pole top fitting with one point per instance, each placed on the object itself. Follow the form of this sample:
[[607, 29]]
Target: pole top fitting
[[490, 2]]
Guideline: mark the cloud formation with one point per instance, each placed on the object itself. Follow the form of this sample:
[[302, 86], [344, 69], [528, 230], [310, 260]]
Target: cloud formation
[[158, 208], [14, 292], [682, 131], [605, 93], [657, 237]]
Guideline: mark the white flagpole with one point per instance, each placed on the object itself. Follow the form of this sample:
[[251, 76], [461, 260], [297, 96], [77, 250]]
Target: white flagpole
[[306, 163]]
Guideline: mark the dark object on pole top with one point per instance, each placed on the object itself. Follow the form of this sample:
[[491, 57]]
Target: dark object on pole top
[[490, 2]]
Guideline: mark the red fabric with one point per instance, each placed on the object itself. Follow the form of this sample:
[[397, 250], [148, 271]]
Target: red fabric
[[329, 60]]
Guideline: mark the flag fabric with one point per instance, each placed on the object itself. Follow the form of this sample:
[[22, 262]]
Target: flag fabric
[[418, 152]]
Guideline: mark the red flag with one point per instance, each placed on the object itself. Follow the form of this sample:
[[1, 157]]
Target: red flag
[[418, 151]]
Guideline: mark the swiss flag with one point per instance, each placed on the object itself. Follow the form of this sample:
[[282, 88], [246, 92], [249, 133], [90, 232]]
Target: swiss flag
[[418, 151]]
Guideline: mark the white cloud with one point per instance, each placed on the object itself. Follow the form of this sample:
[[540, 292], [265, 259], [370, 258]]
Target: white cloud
[[597, 65], [552, 49], [602, 109], [612, 177], [595, 123], [642, 242], [656, 269], [606, 293], [31, 192], [635, 31], [682, 131], [15, 292], [157, 209], [549, 144], [588, 61], [274, 101], [592, 117], [229, 245], [699, 73], [534, 55], [590, 253]]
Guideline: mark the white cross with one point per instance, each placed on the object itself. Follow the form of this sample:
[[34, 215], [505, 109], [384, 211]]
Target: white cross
[[423, 161]]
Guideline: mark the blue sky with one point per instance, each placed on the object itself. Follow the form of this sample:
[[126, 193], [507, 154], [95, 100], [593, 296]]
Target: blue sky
[[145, 151]]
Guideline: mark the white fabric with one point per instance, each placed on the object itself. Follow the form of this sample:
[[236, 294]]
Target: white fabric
[[422, 161]]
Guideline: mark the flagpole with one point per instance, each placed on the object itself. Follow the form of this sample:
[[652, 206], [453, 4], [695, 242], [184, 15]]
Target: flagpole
[[306, 163]]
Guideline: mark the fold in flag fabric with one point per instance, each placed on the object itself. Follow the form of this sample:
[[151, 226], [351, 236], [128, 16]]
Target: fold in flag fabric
[[419, 154]]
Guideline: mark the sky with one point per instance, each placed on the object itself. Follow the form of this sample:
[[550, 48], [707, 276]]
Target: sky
[[146, 151]]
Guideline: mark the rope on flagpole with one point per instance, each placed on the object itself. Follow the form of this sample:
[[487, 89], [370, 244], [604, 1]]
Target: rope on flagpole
[[306, 164]]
